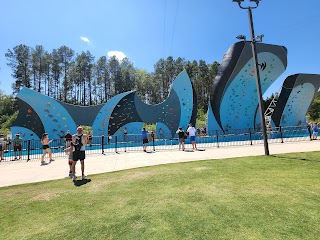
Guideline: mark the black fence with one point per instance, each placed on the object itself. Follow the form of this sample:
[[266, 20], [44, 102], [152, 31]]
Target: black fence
[[32, 149]]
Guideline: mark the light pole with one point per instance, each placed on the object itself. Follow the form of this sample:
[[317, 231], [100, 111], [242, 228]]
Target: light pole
[[255, 60]]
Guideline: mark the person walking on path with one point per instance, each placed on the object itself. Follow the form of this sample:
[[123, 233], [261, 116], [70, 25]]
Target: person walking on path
[[192, 134], [181, 136], [17, 146], [45, 146], [145, 140], [79, 141]]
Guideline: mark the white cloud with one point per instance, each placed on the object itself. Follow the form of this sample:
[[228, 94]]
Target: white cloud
[[118, 54], [85, 39]]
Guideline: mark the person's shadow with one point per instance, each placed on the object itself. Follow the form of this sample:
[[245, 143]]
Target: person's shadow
[[79, 183]]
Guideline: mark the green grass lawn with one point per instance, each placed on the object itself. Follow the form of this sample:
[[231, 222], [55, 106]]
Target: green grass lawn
[[267, 197]]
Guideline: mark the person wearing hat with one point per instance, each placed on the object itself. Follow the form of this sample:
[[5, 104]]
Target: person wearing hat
[[79, 141], [192, 134], [17, 146], [68, 137]]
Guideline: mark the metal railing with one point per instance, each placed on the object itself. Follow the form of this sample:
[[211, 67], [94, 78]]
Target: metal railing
[[32, 149]]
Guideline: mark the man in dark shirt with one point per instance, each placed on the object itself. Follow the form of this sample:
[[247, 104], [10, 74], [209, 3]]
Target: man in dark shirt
[[144, 139], [68, 137]]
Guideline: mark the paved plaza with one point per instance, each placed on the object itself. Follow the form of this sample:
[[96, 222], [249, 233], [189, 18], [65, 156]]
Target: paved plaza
[[19, 172]]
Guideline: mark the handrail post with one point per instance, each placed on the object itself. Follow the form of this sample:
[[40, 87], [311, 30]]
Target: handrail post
[[116, 143], [152, 135], [28, 159], [102, 144], [281, 134], [217, 138]]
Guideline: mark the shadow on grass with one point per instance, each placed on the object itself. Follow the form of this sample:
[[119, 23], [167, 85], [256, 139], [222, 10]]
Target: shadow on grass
[[296, 158], [79, 183]]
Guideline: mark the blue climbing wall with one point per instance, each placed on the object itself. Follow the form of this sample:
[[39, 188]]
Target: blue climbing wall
[[233, 98], [39, 113], [297, 94], [44, 114]]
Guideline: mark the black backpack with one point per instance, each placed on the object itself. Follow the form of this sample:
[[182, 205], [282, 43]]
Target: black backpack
[[78, 142]]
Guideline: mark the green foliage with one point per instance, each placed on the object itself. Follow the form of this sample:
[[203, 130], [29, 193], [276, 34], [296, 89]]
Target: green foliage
[[9, 120], [201, 118], [77, 79], [19, 60], [314, 110], [260, 197], [150, 127], [8, 112]]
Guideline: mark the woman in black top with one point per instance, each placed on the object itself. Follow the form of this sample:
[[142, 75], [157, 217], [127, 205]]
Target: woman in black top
[[181, 135]]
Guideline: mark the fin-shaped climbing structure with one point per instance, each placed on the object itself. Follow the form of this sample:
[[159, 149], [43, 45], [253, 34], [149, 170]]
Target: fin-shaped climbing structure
[[297, 94], [233, 99]]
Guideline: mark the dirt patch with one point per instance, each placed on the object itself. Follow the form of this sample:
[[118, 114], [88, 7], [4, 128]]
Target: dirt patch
[[45, 196], [200, 169], [130, 176]]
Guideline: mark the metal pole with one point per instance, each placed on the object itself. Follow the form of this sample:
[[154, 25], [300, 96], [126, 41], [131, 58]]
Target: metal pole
[[116, 143], [255, 59], [102, 144], [154, 148], [28, 149], [250, 135]]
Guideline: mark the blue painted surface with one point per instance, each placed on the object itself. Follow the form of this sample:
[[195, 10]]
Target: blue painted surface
[[240, 99], [165, 131], [212, 124], [132, 128], [55, 118], [100, 125], [182, 86], [297, 105], [25, 134]]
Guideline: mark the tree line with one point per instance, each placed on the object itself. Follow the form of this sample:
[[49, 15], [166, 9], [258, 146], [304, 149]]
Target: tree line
[[76, 78]]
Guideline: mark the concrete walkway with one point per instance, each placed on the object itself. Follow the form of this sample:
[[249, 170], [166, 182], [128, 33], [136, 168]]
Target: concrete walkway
[[19, 172]]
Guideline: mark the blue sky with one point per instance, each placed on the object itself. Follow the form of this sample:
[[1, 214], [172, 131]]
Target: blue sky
[[147, 30]]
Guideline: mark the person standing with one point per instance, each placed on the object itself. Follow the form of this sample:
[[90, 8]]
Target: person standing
[[125, 134], [90, 137], [2, 146], [69, 152], [315, 131], [181, 136], [192, 134], [8, 144], [161, 133], [68, 137], [309, 126], [145, 140], [45, 146], [79, 141], [17, 146]]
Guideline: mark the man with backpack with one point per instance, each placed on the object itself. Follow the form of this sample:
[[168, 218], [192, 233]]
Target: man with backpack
[[79, 140]]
